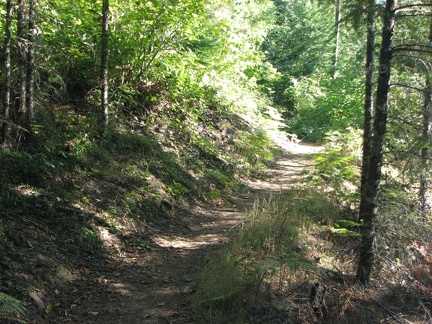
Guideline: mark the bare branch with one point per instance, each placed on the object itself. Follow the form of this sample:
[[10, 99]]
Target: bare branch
[[415, 14], [417, 5], [421, 48], [401, 85]]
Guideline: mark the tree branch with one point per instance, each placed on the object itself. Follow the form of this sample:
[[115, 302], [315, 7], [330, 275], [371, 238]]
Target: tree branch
[[389, 311], [417, 5], [392, 85], [415, 14], [421, 48]]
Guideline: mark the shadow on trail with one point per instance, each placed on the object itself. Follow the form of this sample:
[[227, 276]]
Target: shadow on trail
[[155, 285], [145, 275]]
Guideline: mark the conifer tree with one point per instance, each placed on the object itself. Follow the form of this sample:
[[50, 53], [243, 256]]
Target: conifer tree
[[369, 199]]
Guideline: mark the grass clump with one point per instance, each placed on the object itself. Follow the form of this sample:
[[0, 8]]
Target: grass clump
[[224, 285], [268, 230], [265, 244]]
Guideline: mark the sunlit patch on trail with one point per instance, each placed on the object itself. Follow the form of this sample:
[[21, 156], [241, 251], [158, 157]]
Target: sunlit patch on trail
[[197, 242]]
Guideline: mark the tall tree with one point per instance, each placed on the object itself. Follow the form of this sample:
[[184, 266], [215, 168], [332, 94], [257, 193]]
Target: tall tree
[[427, 138], [8, 72], [22, 63], [338, 16], [368, 103], [369, 200], [30, 60], [104, 60]]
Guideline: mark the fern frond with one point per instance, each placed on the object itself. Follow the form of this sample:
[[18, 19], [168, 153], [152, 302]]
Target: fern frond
[[10, 307]]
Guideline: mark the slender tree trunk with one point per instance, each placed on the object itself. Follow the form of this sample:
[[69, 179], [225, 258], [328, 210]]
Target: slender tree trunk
[[368, 104], [22, 64], [31, 60], [104, 61], [8, 73], [338, 16], [369, 202], [427, 137], [425, 152]]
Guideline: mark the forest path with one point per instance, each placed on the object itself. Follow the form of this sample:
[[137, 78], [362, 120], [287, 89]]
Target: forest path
[[140, 284]]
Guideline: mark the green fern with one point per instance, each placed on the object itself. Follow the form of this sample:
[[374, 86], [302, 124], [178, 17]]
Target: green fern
[[11, 307]]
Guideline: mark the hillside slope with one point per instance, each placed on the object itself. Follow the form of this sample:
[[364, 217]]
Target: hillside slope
[[88, 219]]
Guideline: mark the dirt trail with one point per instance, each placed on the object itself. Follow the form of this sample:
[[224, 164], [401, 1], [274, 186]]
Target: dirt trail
[[138, 285]]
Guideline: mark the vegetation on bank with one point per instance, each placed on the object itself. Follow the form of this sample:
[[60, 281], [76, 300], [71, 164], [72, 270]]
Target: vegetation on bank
[[305, 240], [56, 195]]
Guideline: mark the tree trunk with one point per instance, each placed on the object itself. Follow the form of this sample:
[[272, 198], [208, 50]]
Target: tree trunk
[[368, 104], [337, 42], [369, 201], [104, 61], [22, 64], [31, 60], [427, 138], [8, 73], [425, 152]]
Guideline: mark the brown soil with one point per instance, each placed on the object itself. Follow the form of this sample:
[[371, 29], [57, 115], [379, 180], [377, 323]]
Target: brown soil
[[148, 274]]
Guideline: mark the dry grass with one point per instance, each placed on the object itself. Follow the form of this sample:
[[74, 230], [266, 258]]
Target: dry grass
[[286, 247]]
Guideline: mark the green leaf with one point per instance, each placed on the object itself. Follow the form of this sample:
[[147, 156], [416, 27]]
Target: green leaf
[[49, 308]]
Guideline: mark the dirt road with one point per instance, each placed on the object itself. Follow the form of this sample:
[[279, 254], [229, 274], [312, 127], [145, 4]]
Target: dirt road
[[152, 273]]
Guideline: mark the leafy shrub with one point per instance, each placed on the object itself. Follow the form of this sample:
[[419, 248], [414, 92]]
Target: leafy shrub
[[324, 104], [221, 180]]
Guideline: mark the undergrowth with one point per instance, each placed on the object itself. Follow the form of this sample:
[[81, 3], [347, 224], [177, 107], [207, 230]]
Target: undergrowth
[[70, 183], [310, 237], [11, 309], [400, 251], [338, 167], [266, 243]]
